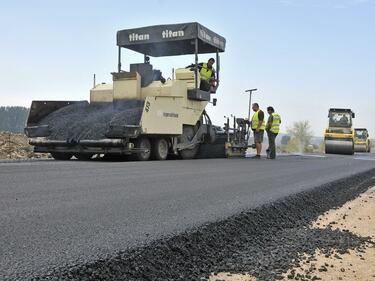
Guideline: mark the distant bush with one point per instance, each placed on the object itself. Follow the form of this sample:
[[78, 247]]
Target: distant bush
[[298, 138], [13, 118]]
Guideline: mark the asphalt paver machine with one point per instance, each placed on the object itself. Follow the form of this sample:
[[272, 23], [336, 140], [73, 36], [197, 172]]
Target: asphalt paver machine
[[140, 114]]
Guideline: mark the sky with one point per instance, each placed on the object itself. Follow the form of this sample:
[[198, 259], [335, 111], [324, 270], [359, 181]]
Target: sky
[[303, 56]]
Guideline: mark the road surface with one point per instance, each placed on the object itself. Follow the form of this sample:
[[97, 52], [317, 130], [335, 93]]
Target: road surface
[[55, 213]]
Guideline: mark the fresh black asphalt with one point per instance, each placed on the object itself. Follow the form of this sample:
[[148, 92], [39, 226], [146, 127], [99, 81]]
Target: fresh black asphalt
[[60, 213]]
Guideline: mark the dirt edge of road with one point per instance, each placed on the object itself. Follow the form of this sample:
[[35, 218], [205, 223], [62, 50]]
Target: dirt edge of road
[[15, 146]]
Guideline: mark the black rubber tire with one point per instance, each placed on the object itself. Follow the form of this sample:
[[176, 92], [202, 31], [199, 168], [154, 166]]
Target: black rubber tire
[[160, 149], [83, 156], [61, 155], [143, 143]]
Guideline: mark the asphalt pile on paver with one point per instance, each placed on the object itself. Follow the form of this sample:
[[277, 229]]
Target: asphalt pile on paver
[[91, 121], [265, 242]]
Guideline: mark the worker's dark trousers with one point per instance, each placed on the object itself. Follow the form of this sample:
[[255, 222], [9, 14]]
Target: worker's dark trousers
[[205, 85], [271, 144]]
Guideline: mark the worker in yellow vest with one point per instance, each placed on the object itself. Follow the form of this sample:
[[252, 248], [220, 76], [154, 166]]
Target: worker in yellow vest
[[207, 74], [272, 128], [258, 125]]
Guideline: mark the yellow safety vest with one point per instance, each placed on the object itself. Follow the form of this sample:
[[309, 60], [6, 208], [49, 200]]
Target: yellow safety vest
[[255, 121], [276, 121], [206, 72]]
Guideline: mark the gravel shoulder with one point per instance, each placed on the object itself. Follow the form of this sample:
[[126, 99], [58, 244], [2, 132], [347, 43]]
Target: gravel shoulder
[[357, 217]]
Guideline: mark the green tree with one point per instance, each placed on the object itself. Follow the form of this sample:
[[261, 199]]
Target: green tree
[[13, 118], [301, 135]]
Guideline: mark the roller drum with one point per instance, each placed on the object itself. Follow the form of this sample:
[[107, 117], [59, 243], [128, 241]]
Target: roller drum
[[360, 148], [339, 147]]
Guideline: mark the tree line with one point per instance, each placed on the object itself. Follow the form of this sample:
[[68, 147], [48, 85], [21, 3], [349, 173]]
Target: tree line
[[13, 118]]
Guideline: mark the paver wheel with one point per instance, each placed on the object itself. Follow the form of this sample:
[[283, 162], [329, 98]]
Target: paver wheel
[[143, 143], [160, 149]]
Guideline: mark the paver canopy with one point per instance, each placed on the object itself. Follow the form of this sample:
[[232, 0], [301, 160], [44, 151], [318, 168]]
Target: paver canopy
[[171, 40]]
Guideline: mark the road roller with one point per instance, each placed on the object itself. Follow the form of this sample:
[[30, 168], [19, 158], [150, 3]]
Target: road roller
[[339, 136], [361, 140]]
